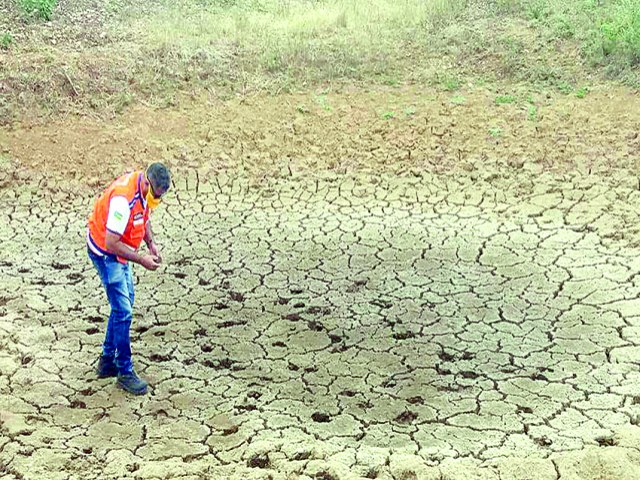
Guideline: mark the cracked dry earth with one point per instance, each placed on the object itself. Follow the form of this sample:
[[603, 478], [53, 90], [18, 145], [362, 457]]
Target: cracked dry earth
[[430, 327]]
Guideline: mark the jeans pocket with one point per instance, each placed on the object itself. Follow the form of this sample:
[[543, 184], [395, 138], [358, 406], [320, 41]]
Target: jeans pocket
[[115, 271]]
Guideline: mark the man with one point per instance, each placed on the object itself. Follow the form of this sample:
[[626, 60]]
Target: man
[[117, 226]]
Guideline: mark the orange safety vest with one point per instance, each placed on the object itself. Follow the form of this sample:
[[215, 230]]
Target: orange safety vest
[[128, 186]]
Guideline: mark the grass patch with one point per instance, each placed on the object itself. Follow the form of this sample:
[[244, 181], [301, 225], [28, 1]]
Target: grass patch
[[42, 9], [505, 99], [6, 39]]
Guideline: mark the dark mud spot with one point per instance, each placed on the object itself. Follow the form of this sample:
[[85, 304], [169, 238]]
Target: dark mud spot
[[75, 277], [189, 361], [302, 455], [91, 331], [283, 301], [406, 417], [468, 356], [371, 473], [75, 403], [296, 290], [87, 450], [221, 306], [236, 296], [417, 400], [206, 348], [142, 328], [87, 392], [543, 441], [606, 441], [246, 407], [60, 266], [442, 371], [203, 282], [230, 430], [26, 359], [254, 394], [522, 409], [446, 357], [403, 335], [315, 326], [180, 275], [539, 376], [201, 332], [278, 344], [159, 334], [469, 374], [334, 338], [293, 367], [293, 317], [321, 417], [317, 310], [158, 357], [348, 393], [299, 305], [324, 475]]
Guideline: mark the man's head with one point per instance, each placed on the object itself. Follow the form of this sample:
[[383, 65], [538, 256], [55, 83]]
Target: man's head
[[159, 180]]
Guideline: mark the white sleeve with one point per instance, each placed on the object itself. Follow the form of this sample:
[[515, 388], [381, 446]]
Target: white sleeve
[[118, 215]]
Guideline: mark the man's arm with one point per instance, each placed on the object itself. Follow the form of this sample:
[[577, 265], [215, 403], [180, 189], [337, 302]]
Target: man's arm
[[117, 219], [151, 243]]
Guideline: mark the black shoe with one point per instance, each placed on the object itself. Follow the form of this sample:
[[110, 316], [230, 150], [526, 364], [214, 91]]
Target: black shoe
[[132, 383], [106, 367]]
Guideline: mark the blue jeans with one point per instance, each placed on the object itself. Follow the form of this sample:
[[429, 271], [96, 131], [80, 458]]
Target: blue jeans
[[118, 283]]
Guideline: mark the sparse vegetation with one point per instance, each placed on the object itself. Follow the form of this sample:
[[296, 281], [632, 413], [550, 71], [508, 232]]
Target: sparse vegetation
[[157, 51], [42, 9], [6, 39]]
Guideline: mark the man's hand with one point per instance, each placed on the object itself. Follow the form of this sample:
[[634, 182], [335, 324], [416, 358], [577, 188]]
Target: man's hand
[[150, 262], [153, 249]]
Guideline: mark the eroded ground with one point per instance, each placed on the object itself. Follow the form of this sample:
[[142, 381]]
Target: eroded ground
[[337, 327], [398, 284]]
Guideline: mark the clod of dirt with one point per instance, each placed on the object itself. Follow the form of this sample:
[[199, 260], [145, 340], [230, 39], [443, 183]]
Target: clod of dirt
[[260, 460], [348, 393], [334, 338], [299, 305], [403, 335], [278, 344], [201, 332], [236, 296], [91, 331], [606, 441], [77, 404], [324, 475], [283, 301], [302, 455], [315, 326], [543, 441], [446, 357], [417, 400], [321, 417], [406, 417], [157, 357], [206, 348]]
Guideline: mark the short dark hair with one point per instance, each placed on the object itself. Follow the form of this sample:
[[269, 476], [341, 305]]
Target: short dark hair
[[159, 176]]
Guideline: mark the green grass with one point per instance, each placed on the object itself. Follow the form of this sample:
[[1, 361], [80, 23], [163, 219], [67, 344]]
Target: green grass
[[42, 9], [504, 99], [6, 39]]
